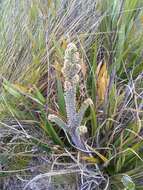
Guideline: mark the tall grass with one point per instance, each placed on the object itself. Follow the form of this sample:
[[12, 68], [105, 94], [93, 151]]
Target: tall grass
[[33, 40], [119, 118]]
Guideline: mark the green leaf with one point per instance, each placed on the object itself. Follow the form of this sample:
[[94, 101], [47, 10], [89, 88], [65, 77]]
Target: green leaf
[[49, 129], [93, 120], [60, 96], [52, 133], [10, 89], [33, 12], [39, 95]]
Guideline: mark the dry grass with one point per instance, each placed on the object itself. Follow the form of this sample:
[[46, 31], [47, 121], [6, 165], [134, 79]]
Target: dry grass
[[33, 40]]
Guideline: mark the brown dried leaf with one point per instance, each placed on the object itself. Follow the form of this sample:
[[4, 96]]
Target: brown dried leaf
[[102, 80]]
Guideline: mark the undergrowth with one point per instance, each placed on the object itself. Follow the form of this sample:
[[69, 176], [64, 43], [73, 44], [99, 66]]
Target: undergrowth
[[34, 38]]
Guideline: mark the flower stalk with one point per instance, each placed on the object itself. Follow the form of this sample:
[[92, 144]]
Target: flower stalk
[[70, 72]]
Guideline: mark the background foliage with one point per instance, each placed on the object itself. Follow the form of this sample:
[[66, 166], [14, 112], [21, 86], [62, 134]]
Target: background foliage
[[109, 36]]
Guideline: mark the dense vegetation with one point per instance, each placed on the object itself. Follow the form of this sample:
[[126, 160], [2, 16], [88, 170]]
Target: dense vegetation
[[34, 36]]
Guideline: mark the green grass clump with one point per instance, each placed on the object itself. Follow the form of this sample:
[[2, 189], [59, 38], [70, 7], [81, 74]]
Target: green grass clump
[[33, 42]]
